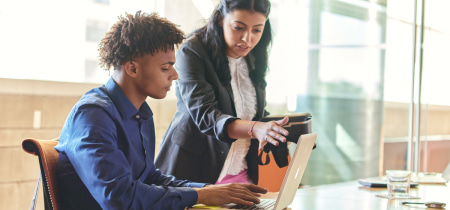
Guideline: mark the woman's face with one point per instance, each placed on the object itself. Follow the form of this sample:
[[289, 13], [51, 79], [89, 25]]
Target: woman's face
[[242, 31]]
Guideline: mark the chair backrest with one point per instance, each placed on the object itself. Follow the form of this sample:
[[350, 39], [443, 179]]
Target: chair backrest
[[48, 160]]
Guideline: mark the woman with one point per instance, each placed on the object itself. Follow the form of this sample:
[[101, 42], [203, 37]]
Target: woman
[[215, 135]]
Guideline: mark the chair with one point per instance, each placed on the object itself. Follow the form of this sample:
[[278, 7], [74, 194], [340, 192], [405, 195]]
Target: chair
[[48, 160]]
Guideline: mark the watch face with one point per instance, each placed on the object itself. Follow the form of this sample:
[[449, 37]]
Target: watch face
[[435, 205]]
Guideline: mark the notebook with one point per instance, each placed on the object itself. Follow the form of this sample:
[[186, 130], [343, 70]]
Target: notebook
[[379, 182], [292, 178]]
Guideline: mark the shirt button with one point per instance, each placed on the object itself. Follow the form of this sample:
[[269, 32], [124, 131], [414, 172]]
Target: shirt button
[[138, 116]]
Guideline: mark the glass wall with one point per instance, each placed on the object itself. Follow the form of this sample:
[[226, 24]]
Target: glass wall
[[434, 149], [421, 72], [338, 55]]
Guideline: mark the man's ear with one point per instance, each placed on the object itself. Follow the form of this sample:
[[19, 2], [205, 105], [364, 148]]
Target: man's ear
[[130, 68]]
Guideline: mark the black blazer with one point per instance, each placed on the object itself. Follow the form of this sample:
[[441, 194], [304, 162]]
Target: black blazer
[[196, 143]]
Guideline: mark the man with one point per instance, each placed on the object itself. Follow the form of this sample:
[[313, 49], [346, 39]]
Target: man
[[106, 147]]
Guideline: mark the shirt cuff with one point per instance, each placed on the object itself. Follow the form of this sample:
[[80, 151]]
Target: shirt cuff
[[195, 184], [189, 196]]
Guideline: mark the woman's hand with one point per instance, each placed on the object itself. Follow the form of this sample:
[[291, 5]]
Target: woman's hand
[[271, 132]]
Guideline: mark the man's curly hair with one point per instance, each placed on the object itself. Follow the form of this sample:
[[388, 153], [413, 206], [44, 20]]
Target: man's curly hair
[[136, 36]]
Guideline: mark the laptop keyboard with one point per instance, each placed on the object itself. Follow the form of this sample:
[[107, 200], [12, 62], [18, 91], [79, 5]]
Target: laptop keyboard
[[264, 204]]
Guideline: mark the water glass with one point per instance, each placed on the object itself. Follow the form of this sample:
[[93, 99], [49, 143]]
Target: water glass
[[398, 183]]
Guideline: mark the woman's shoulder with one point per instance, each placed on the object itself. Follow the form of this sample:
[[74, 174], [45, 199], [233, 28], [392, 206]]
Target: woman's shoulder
[[194, 39], [194, 44]]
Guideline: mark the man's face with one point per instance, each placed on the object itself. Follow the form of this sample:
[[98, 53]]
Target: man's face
[[155, 73], [242, 31]]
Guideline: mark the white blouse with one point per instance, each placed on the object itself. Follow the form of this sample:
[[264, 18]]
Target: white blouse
[[245, 103]]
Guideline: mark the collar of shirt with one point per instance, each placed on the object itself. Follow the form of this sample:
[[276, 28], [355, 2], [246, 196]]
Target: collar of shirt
[[124, 105]]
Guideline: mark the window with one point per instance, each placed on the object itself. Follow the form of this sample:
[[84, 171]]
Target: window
[[101, 1], [95, 30]]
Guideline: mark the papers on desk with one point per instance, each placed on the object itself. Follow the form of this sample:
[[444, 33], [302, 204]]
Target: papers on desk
[[408, 197], [378, 182], [381, 182], [201, 206], [421, 178]]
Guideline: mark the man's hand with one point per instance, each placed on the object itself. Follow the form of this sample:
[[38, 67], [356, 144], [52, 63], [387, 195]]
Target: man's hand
[[216, 195]]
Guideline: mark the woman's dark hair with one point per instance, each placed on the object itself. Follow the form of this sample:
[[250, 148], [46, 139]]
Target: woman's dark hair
[[212, 36], [136, 36]]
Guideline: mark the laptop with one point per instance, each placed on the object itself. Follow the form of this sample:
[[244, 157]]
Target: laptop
[[446, 173], [291, 180], [433, 178]]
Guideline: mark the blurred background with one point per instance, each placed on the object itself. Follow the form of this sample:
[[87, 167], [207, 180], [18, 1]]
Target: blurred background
[[373, 74]]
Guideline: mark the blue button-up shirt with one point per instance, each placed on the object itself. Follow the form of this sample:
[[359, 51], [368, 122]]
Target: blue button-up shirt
[[106, 153]]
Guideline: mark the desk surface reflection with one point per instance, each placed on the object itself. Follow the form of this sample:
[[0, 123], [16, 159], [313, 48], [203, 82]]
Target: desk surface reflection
[[351, 195]]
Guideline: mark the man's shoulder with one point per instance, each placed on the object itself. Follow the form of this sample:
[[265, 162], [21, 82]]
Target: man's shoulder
[[97, 97]]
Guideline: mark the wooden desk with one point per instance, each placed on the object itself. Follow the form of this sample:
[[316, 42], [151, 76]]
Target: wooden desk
[[352, 195]]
